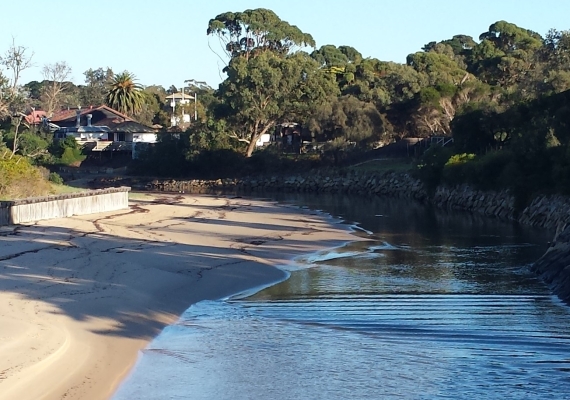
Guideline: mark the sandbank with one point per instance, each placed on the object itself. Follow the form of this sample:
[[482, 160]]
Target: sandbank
[[81, 296]]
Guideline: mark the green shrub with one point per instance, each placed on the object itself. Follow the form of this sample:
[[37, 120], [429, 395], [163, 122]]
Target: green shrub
[[71, 156], [430, 167], [55, 178], [18, 178], [67, 151], [460, 159]]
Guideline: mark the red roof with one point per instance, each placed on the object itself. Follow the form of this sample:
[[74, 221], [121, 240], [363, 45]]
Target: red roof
[[71, 113], [35, 117]]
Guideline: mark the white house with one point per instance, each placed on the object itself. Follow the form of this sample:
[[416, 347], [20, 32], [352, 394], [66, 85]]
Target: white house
[[131, 131], [181, 100], [119, 134], [263, 140]]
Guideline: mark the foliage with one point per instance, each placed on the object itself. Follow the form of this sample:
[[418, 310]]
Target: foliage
[[32, 145], [54, 177], [125, 95], [150, 108], [54, 86], [268, 89], [348, 119], [503, 97], [96, 86], [18, 178], [459, 159], [67, 151], [256, 31], [429, 168], [71, 156]]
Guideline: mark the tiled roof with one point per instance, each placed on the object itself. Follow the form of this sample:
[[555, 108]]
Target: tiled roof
[[132, 127], [71, 114], [35, 117]]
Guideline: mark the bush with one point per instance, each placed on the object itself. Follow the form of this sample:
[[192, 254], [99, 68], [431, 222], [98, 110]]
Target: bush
[[71, 156], [55, 178], [460, 159], [430, 167], [67, 151], [494, 170], [18, 178]]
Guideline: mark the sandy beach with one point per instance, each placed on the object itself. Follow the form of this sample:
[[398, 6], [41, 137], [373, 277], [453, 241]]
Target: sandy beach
[[80, 297]]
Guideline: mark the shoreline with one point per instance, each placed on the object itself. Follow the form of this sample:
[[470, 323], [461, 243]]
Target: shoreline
[[80, 297]]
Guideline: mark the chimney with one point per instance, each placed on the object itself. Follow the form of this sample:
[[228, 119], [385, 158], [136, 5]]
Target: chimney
[[78, 118], [89, 116]]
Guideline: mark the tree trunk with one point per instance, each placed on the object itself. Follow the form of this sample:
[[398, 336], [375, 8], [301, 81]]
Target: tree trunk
[[255, 137], [250, 148], [17, 128]]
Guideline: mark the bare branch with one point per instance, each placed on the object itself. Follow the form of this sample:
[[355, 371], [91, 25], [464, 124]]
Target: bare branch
[[16, 59], [57, 75], [234, 135]]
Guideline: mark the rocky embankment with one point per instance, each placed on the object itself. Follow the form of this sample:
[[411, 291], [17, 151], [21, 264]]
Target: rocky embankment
[[554, 266], [545, 211], [550, 212]]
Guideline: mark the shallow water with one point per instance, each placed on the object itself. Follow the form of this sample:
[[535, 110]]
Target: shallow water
[[432, 305]]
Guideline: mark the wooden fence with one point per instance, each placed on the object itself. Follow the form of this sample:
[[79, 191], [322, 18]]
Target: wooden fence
[[66, 205]]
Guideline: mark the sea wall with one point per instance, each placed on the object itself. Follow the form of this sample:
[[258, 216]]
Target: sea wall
[[66, 205]]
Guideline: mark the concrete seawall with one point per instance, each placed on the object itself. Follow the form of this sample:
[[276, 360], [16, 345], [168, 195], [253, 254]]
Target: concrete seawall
[[66, 205]]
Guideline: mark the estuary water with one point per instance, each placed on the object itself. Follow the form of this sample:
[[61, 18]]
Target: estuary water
[[432, 305]]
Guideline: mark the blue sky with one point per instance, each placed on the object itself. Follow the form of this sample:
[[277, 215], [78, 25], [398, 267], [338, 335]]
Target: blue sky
[[164, 42]]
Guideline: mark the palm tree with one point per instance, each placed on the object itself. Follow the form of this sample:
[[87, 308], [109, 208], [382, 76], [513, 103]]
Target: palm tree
[[125, 95]]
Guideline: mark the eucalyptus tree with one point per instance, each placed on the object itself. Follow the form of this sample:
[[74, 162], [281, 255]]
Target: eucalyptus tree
[[14, 99], [269, 80], [54, 86], [336, 62], [440, 68], [381, 82], [554, 57], [348, 119], [330, 56], [96, 86], [505, 54], [267, 89], [124, 94], [253, 31]]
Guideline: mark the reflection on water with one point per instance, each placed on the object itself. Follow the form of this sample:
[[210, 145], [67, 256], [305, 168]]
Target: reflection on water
[[431, 305]]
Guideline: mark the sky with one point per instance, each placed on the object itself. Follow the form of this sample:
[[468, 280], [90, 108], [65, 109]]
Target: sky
[[164, 42]]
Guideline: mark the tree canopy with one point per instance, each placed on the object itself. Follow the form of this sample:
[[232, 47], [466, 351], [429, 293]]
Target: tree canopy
[[269, 89], [504, 89], [254, 31], [125, 94]]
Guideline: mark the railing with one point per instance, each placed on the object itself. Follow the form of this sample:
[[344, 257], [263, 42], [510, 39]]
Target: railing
[[104, 145], [440, 141]]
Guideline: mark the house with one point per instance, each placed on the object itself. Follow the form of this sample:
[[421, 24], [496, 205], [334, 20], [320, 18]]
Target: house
[[101, 129], [131, 131], [181, 100], [81, 133], [290, 136], [98, 116], [35, 117]]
